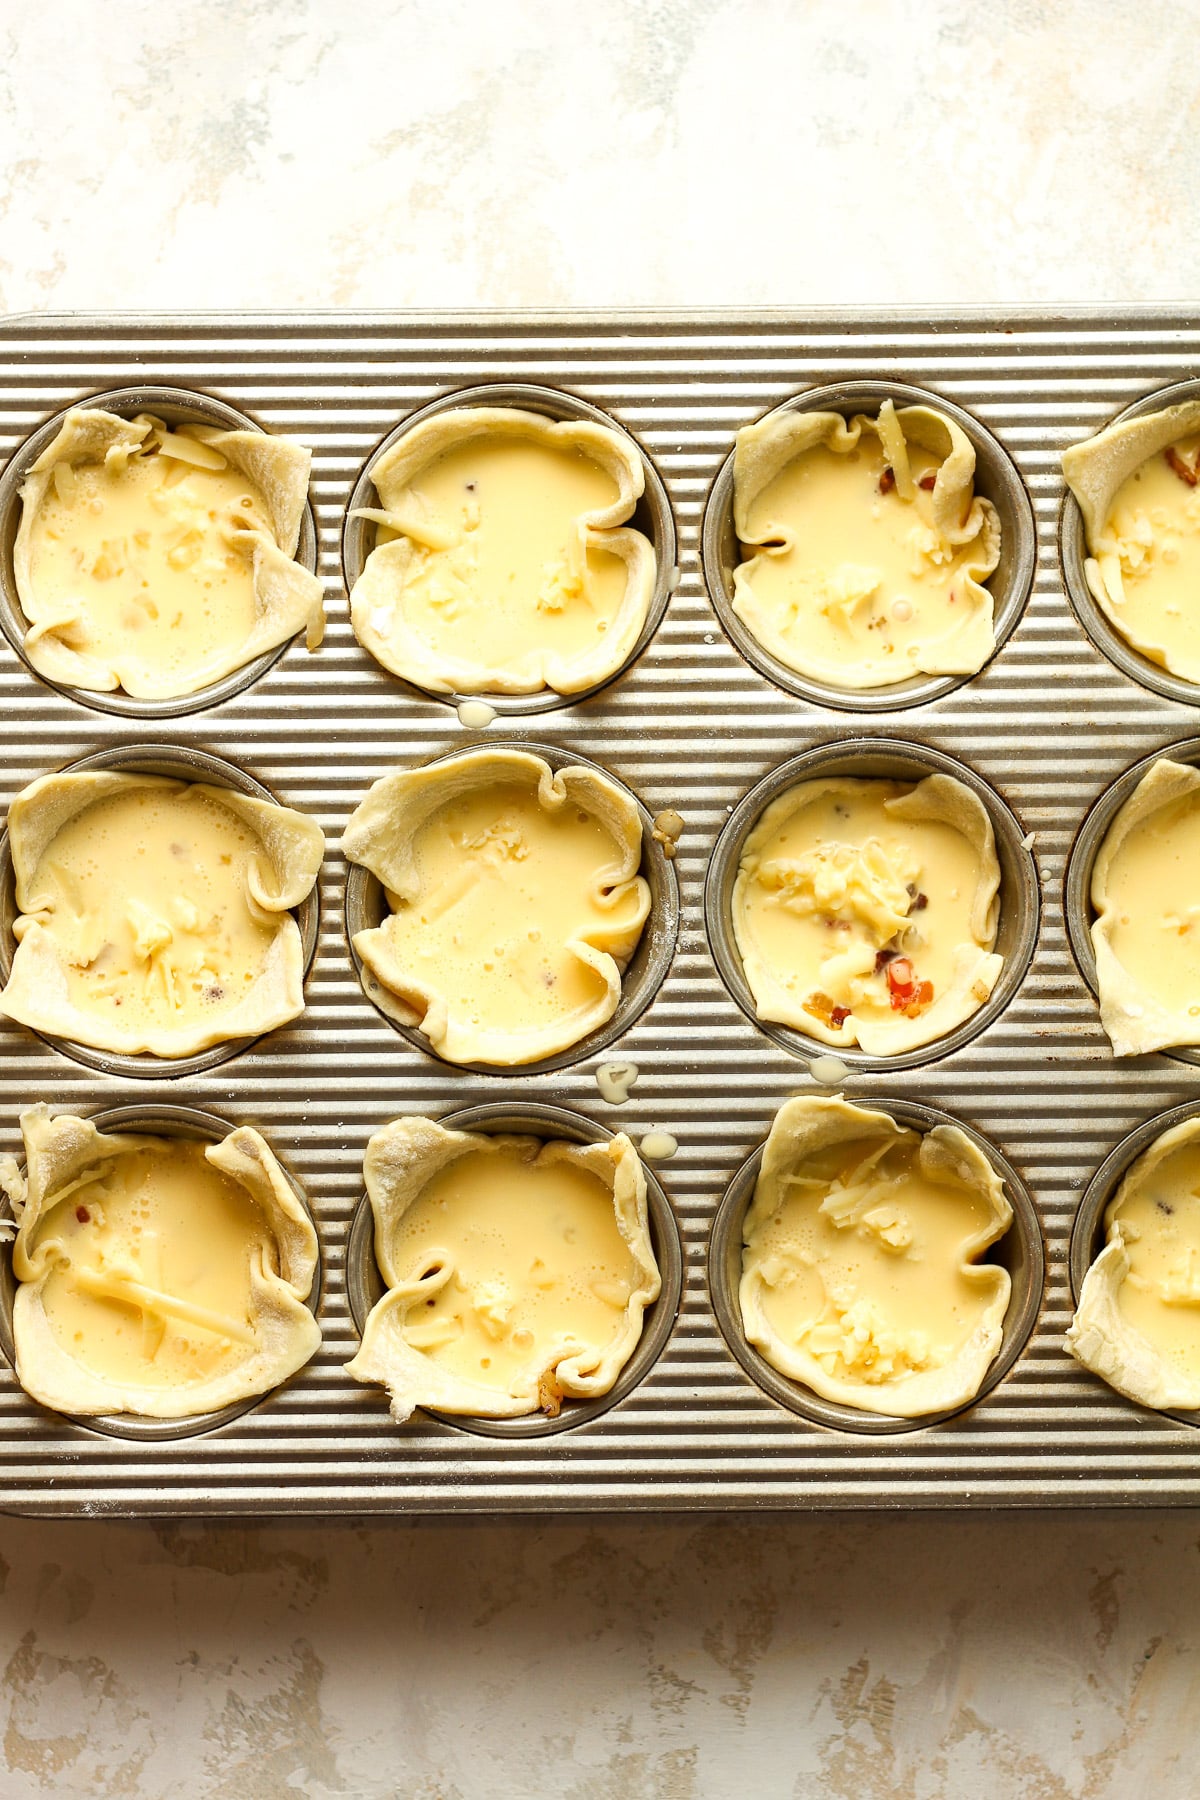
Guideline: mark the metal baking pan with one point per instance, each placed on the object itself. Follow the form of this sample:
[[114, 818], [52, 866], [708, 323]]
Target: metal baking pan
[[691, 724]]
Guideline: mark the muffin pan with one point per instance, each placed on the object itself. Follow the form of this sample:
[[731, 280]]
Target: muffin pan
[[691, 725]]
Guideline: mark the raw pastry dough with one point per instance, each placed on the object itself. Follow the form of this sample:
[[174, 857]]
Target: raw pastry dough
[[155, 1276], [867, 545], [503, 564], [861, 1273], [157, 559], [865, 910], [1146, 932], [1138, 1320], [1138, 488], [515, 901], [155, 916], [518, 1270]]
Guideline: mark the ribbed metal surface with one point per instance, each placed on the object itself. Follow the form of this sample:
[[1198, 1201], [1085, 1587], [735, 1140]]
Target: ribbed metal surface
[[691, 726]]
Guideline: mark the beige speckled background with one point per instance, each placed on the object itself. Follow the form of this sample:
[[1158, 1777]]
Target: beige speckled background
[[743, 152]]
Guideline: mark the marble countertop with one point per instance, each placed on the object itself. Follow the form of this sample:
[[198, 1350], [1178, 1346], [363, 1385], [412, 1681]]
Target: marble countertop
[[682, 153]]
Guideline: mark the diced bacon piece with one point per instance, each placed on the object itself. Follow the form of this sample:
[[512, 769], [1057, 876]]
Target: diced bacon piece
[[905, 992], [820, 1006], [922, 998]]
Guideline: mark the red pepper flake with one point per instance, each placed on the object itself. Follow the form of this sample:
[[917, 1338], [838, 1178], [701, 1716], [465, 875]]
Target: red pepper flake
[[901, 980], [83, 1215], [927, 481], [820, 1006], [905, 992], [887, 480], [920, 1000], [1180, 468]]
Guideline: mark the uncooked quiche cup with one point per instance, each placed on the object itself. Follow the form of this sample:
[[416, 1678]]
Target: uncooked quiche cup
[[510, 544], [508, 907], [862, 621], [1130, 539], [165, 1271], [1131, 907], [425, 1338], [158, 910], [160, 552], [1135, 1257], [851, 1366], [827, 944]]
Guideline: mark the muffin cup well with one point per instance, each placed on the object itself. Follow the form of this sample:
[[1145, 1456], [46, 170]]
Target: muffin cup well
[[179, 763], [156, 1121], [175, 406], [1077, 883], [996, 479], [652, 517], [365, 1286], [1073, 552], [893, 759], [1087, 1233], [1020, 1251], [366, 908]]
